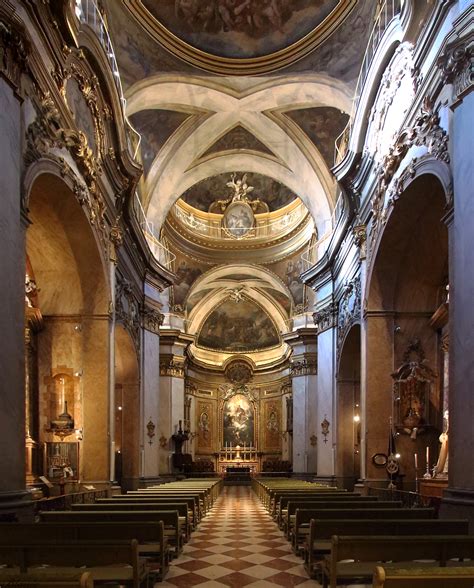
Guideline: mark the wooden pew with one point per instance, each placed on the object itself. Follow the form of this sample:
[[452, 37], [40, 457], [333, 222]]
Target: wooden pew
[[47, 578], [170, 520], [152, 542], [298, 524], [402, 551], [198, 497], [147, 499], [112, 561], [321, 531], [452, 577], [182, 508], [282, 508]]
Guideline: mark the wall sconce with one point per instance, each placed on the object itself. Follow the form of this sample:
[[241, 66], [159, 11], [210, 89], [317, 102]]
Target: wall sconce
[[163, 441], [150, 430], [313, 440], [325, 428]]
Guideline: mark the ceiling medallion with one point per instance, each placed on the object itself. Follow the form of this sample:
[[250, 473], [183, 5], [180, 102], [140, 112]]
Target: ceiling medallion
[[239, 219], [233, 37]]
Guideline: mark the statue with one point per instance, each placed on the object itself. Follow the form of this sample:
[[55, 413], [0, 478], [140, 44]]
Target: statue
[[441, 468]]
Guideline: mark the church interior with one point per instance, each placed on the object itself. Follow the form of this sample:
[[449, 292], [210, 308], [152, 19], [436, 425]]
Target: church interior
[[237, 271]]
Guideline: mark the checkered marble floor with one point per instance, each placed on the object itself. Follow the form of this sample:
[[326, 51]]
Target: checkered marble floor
[[237, 544]]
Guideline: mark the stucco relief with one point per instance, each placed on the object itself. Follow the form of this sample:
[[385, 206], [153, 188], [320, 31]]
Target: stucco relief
[[394, 98]]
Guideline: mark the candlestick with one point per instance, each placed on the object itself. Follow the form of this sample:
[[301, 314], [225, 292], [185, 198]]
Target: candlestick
[[416, 461], [427, 455]]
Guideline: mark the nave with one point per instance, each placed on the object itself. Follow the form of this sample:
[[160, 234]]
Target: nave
[[238, 544]]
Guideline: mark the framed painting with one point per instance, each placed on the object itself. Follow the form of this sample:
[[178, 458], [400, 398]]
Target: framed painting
[[238, 219]]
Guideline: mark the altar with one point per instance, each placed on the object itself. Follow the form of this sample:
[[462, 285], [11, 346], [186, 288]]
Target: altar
[[238, 459]]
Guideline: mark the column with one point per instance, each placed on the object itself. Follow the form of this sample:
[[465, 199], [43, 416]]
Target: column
[[173, 345], [14, 500], [325, 321], [457, 65], [150, 389], [303, 372]]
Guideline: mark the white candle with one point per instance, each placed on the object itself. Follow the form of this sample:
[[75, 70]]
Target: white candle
[[427, 455], [416, 461]]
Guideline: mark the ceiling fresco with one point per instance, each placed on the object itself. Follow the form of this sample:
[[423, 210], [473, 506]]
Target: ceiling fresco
[[155, 127], [240, 28], [204, 193], [238, 138], [238, 327], [322, 125], [140, 56]]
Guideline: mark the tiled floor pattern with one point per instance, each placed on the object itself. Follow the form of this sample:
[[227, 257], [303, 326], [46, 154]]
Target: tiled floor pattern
[[237, 544]]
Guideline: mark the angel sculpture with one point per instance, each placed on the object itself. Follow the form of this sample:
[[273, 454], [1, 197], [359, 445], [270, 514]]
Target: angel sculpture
[[241, 188]]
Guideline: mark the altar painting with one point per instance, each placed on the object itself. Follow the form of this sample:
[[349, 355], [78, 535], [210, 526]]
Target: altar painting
[[238, 421]]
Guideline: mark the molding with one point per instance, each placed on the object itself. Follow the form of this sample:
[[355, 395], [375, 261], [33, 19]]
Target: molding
[[127, 309], [152, 319], [173, 366], [425, 131], [325, 317], [457, 66], [305, 364], [14, 47], [349, 310]]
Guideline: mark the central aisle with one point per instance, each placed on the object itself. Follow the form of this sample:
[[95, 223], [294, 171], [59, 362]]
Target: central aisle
[[237, 544]]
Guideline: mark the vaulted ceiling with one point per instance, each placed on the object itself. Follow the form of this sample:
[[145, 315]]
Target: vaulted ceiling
[[221, 89]]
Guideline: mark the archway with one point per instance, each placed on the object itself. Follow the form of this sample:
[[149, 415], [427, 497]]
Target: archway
[[71, 294], [348, 410], [407, 287], [127, 411]]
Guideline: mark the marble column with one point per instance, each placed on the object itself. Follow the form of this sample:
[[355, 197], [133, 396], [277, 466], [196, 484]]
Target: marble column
[[173, 345], [13, 497], [303, 373], [457, 67]]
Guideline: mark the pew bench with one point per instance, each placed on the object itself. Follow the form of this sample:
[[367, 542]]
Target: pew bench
[[47, 578], [169, 518], [152, 542], [125, 498], [452, 577], [354, 557], [106, 561], [288, 514], [298, 525], [321, 531]]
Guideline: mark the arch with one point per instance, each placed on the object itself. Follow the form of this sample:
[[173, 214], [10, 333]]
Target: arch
[[73, 295], [348, 407], [405, 287], [225, 108], [127, 410]]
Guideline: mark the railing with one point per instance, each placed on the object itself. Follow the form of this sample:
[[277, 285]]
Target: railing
[[386, 13], [88, 12], [164, 256], [211, 226], [408, 499], [310, 256]]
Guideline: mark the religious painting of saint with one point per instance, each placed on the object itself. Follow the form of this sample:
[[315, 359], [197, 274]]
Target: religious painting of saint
[[238, 421], [238, 219]]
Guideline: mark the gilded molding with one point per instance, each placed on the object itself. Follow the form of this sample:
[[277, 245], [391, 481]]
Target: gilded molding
[[325, 318], [304, 365], [172, 365], [152, 320], [349, 310]]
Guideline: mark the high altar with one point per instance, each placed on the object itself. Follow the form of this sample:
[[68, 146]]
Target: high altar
[[235, 458]]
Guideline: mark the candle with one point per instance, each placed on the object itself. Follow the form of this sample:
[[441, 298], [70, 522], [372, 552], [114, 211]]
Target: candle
[[427, 456], [416, 461]]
